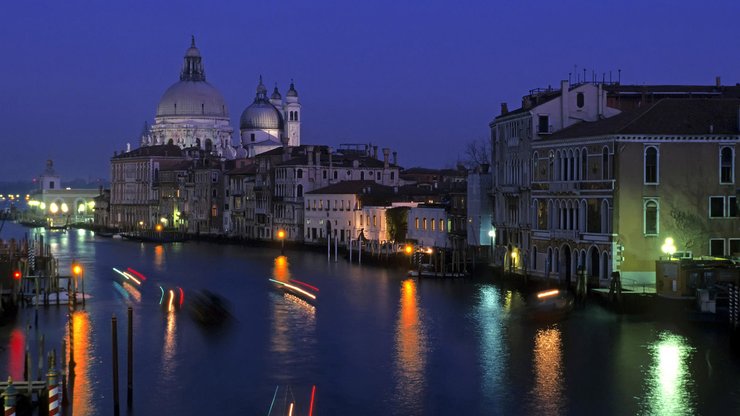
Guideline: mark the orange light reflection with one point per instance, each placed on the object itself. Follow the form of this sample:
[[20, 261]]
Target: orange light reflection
[[548, 389], [81, 385], [410, 347]]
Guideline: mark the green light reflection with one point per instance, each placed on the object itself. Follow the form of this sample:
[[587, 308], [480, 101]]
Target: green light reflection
[[668, 381]]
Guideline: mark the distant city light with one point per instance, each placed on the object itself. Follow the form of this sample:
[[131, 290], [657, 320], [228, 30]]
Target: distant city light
[[54, 208], [65, 208]]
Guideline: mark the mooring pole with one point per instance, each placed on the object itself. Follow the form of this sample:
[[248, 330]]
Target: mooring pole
[[130, 355], [114, 340]]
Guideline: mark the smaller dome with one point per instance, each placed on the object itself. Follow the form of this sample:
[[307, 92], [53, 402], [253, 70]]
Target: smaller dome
[[276, 94], [291, 91], [261, 115]]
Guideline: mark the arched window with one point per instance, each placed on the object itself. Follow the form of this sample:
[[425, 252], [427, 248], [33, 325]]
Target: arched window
[[336, 174], [424, 224], [209, 145], [726, 168], [362, 176], [534, 258], [416, 222], [580, 100], [299, 173], [577, 168], [300, 190], [650, 214], [551, 167], [571, 166], [651, 165], [295, 116], [584, 164], [605, 163], [535, 164]]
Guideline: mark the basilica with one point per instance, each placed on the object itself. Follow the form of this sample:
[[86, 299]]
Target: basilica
[[192, 113]]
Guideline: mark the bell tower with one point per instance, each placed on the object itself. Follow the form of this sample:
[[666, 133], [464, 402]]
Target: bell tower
[[292, 116]]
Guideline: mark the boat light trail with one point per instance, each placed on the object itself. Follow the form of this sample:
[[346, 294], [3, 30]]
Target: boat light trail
[[139, 275], [296, 288], [172, 297], [313, 394], [548, 293], [304, 284], [162, 297], [290, 410], [273, 400], [182, 296]]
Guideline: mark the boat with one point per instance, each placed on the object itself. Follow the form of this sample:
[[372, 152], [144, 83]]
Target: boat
[[296, 289], [208, 308], [154, 236], [549, 306]]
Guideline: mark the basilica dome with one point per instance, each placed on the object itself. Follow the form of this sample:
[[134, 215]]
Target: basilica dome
[[261, 114], [192, 98]]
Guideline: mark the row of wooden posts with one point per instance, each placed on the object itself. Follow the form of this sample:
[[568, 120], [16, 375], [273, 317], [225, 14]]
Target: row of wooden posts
[[57, 396], [438, 258]]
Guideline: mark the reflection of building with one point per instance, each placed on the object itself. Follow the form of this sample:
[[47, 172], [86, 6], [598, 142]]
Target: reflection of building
[[60, 205], [630, 181]]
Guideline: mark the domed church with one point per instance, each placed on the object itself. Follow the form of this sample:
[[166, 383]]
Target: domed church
[[267, 123], [192, 112]]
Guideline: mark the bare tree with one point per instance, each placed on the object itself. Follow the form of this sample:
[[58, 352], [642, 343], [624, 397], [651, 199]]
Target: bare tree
[[477, 152]]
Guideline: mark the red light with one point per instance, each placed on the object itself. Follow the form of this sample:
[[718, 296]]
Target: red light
[[304, 284], [17, 275]]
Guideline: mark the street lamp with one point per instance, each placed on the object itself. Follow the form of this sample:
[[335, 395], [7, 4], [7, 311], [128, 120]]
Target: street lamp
[[668, 247], [158, 227], [512, 263], [79, 274], [281, 237]]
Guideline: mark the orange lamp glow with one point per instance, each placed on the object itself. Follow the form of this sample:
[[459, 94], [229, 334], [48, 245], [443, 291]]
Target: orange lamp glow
[[77, 269], [158, 227], [281, 234], [408, 249], [17, 275]]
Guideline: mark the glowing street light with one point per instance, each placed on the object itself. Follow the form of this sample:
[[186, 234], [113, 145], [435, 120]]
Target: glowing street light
[[492, 235], [54, 208], [668, 247], [79, 274], [158, 227], [408, 249], [281, 237], [65, 208]]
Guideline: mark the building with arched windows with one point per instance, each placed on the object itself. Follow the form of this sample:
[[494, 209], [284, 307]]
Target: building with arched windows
[[58, 205], [606, 194]]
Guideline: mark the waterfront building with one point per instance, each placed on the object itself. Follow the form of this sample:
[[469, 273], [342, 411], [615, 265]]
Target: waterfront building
[[543, 112], [204, 194], [428, 226], [134, 200], [606, 194], [58, 205], [101, 208], [240, 201], [479, 222]]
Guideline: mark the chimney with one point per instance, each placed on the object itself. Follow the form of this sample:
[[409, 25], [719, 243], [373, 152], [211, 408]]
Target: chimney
[[128, 147], [375, 152], [331, 162], [395, 158], [309, 153], [718, 81], [386, 153], [504, 109], [564, 87]]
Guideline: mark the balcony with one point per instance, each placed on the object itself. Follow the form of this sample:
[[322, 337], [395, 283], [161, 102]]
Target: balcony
[[570, 235]]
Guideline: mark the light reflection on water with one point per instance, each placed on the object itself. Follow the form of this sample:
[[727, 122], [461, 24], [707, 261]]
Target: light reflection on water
[[17, 353], [548, 398], [493, 348], [668, 383], [411, 348], [169, 349], [81, 385]]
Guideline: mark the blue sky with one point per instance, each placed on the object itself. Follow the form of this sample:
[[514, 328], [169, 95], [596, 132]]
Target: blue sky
[[79, 78]]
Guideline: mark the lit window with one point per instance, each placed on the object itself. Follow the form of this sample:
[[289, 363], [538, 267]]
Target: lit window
[[441, 225], [433, 224], [416, 222], [375, 221], [651, 165], [424, 224], [651, 217]]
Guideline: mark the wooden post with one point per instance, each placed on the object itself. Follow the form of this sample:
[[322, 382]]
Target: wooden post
[[9, 398], [130, 356], [359, 251], [114, 340], [336, 249], [53, 387], [64, 374], [350, 251]]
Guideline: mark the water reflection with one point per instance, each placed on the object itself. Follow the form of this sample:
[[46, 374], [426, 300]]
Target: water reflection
[[668, 382], [159, 257], [411, 347], [169, 349], [548, 388], [16, 356], [493, 352], [281, 270], [80, 385]]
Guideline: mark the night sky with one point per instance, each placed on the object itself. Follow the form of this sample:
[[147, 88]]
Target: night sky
[[79, 78]]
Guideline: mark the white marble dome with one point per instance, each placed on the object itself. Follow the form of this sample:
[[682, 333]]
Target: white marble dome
[[192, 99]]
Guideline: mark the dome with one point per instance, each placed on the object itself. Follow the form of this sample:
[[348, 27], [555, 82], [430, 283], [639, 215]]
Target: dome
[[192, 98], [261, 115]]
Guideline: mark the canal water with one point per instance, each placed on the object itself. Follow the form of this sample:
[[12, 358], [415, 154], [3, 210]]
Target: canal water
[[377, 342]]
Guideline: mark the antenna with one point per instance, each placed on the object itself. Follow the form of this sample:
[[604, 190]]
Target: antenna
[[619, 80]]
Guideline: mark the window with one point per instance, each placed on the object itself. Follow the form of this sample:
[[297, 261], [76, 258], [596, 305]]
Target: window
[[543, 124], [651, 217], [732, 206], [375, 221], [433, 224], [716, 206], [734, 247], [252, 136], [51, 184], [393, 175], [362, 176], [584, 164], [300, 174], [300, 191], [651, 165], [535, 163], [717, 247], [605, 163], [580, 101], [441, 225], [336, 175], [424, 224], [726, 165], [416, 222], [324, 174]]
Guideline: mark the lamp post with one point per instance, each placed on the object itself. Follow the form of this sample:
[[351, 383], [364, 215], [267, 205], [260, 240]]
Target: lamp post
[[79, 274], [281, 237]]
